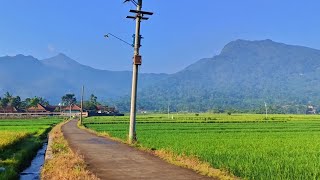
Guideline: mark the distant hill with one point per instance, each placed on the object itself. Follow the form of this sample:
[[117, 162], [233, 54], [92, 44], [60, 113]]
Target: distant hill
[[51, 78], [243, 76]]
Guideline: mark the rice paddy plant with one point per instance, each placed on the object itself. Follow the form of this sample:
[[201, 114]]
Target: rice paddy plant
[[19, 142], [286, 147], [8, 137]]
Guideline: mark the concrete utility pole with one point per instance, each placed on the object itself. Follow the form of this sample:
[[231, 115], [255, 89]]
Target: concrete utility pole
[[70, 111], [136, 62], [265, 105], [168, 110], [82, 92]]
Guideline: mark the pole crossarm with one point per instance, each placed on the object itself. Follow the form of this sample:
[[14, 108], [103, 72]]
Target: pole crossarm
[[135, 17], [141, 12]]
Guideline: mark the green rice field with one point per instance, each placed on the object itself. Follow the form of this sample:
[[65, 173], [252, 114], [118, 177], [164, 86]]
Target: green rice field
[[19, 141], [248, 146]]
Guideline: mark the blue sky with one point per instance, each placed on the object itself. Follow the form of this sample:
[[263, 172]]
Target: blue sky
[[177, 35]]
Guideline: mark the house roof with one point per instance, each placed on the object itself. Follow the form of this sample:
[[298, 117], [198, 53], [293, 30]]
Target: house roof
[[9, 109], [51, 108], [73, 108], [39, 107], [105, 108], [100, 107]]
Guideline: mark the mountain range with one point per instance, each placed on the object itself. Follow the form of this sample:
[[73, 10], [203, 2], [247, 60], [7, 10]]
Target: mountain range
[[245, 75], [51, 78]]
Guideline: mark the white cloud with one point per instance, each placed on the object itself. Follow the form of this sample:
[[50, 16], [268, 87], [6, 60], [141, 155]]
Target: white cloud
[[51, 48]]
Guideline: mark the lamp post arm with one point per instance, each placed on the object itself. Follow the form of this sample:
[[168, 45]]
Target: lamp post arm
[[133, 2], [107, 35]]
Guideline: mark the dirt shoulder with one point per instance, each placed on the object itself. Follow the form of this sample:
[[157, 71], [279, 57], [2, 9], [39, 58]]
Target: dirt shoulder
[[61, 162]]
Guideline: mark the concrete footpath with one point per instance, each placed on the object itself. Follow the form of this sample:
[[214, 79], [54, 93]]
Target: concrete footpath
[[109, 159]]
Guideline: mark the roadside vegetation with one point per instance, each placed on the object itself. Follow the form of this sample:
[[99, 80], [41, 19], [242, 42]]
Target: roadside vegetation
[[247, 146], [64, 163], [19, 141]]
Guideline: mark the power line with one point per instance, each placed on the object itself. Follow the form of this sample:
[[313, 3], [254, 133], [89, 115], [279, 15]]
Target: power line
[[81, 112]]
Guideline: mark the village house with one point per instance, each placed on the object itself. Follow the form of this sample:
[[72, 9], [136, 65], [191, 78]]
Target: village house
[[105, 109], [74, 109], [10, 109], [311, 110], [38, 109]]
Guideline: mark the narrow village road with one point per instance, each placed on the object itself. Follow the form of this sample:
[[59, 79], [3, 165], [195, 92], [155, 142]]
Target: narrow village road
[[108, 159]]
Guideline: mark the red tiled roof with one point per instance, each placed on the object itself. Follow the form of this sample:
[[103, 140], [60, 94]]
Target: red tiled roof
[[9, 109], [38, 108], [73, 108]]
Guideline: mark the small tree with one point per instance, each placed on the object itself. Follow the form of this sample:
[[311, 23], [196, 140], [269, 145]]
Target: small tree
[[93, 99], [91, 104], [88, 105], [34, 102], [15, 101], [7, 95], [9, 100], [43, 101], [69, 100], [4, 103]]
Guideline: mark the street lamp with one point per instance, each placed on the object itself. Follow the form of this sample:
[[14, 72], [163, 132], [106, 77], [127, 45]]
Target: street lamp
[[109, 34]]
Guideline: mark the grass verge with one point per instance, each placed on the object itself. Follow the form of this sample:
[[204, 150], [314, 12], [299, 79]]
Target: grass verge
[[184, 161], [64, 164]]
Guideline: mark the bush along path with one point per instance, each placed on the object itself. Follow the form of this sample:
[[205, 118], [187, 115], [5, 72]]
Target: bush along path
[[109, 159]]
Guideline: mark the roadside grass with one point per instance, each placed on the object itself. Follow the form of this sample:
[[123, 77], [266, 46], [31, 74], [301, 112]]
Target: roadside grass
[[281, 147], [20, 140], [64, 164]]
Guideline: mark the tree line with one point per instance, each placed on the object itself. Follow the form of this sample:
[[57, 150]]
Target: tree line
[[9, 100], [70, 99]]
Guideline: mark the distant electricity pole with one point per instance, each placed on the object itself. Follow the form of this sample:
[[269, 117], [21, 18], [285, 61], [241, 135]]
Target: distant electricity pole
[[168, 110], [82, 92], [265, 105], [139, 15]]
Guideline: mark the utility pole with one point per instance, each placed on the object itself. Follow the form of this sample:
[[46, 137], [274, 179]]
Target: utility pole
[[265, 105], [70, 111], [136, 62], [82, 92], [168, 110]]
